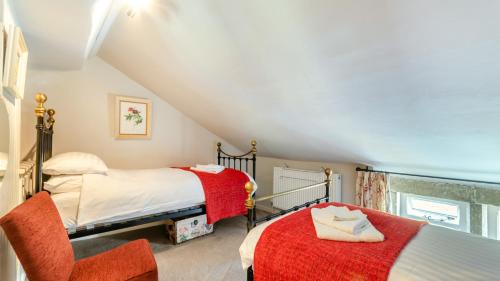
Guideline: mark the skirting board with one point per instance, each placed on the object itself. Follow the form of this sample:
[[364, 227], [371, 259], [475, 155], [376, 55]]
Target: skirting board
[[267, 209]]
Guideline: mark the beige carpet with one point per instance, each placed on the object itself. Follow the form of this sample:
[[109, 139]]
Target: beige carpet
[[211, 257]]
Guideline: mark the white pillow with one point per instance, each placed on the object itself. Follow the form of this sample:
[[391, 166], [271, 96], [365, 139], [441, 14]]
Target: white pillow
[[74, 163], [63, 184]]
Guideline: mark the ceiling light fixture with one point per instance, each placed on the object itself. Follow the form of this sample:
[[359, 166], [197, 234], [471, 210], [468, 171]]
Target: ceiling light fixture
[[135, 6]]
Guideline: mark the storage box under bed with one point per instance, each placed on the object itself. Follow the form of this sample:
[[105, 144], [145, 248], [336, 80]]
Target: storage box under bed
[[184, 229]]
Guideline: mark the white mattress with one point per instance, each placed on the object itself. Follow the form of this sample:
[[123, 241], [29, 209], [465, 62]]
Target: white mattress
[[124, 194], [67, 205], [435, 253]]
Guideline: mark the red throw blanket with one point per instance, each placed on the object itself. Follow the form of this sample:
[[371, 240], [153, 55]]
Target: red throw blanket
[[225, 193], [289, 249]]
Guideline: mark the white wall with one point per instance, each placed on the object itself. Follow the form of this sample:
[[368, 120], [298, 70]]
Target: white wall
[[265, 167], [7, 14], [10, 190], [84, 106], [4, 128]]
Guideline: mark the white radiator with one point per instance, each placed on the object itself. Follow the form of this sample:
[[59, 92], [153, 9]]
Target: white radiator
[[286, 179]]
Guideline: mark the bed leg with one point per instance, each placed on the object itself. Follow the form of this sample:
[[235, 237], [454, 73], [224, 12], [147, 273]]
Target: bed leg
[[250, 274], [250, 219], [250, 205]]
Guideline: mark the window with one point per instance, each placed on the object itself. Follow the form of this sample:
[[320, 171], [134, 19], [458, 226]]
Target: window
[[491, 221], [437, 211], [462, 206]]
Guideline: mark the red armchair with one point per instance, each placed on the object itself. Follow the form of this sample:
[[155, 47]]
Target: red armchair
[[39, 239]]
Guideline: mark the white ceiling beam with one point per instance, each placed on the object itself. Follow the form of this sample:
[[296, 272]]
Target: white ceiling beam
[[101, 31]]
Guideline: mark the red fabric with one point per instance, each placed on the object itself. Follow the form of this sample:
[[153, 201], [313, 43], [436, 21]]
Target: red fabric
[[290, 250], [37, 234], [132, 261], [225, 193]]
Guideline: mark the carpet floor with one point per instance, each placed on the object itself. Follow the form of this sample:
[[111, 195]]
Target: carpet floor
[[212, 257]]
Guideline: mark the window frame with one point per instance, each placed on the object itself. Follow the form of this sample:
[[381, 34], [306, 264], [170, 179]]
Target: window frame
[[463, 211], [492, 227]]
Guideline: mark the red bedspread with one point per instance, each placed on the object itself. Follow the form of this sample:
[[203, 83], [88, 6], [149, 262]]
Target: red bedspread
[[289, 249], [225, 193]]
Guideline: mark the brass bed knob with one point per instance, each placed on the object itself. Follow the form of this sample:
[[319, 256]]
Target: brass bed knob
[[40, 98]]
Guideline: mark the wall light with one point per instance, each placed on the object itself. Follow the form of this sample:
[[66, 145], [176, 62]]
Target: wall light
[[135, 6]]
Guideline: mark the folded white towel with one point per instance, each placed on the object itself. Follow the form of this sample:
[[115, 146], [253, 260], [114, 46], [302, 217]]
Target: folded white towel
[[333, 213], [210, 168], [326, 231], [342, 213], [342, 218], [352, 226], [205, 171]]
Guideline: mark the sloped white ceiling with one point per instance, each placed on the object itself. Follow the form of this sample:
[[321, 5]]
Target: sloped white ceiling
[[389, 83], [394, 83], [60, 33]]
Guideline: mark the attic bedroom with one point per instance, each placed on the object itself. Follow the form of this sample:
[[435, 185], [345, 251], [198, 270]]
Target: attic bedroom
[[249, 140]]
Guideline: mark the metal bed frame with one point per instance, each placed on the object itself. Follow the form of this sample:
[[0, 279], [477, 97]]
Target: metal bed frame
[[252, 221], [43, 152]]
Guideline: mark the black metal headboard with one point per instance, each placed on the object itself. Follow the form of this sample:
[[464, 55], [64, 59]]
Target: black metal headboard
[[44, 131], [239, 162]]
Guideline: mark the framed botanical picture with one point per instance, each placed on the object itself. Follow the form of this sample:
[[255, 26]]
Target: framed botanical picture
[[132, 118], [15, 61]]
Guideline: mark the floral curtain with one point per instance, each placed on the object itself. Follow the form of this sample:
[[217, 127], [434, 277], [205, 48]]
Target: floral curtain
[[372, 191]]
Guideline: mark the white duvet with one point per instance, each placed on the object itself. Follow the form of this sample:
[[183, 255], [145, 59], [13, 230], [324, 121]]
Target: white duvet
[[124, 192]]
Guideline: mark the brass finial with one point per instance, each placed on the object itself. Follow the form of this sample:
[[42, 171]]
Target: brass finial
[[328, 173], [249, 203], [40, 98], [51, 112], [254, 146], [218, 146]]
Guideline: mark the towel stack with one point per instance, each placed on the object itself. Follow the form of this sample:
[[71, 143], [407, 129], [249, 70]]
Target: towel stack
[[342, 224], [210, 168]]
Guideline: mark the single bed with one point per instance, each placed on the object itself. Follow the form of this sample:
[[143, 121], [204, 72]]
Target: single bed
[[434, 253], [120, 195], [121, 199]]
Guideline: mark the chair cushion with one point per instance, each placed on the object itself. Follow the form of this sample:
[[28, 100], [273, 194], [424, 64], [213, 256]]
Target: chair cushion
[[37, 234], [132, 261]]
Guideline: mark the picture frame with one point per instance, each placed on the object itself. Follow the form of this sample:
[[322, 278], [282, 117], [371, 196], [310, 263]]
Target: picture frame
[[132, 118], [15, 61]]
